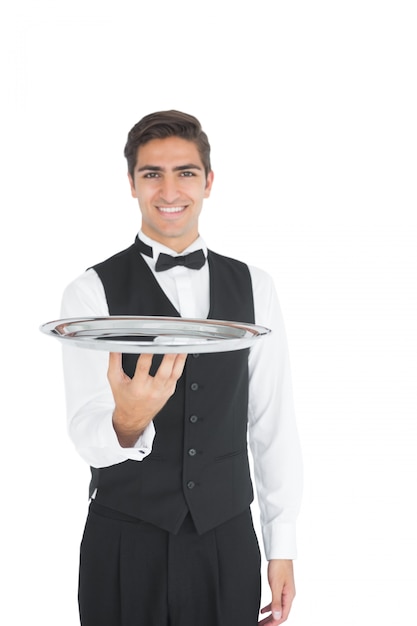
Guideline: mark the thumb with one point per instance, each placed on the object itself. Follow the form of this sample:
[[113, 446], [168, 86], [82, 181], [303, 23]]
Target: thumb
[[276, 612], [276, 604], [115, 366]]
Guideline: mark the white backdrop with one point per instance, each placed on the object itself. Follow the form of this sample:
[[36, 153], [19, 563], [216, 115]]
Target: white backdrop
[[310, 110]]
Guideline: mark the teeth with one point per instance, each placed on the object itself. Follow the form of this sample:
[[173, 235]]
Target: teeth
[[171, 209]]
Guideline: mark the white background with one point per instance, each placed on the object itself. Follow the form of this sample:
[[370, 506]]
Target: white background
[[310, 108]]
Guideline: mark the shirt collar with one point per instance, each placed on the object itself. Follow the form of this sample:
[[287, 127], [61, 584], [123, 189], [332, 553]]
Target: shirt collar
[[157, 247]]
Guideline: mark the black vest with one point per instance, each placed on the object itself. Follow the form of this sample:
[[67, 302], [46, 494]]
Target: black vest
[[199, 461]]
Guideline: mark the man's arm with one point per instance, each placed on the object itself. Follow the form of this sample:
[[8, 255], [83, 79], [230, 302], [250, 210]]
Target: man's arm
[[275, 447], [90, 402]]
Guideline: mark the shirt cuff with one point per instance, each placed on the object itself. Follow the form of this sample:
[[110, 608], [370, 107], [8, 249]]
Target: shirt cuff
[[141, 449], [279, 540], [143, 446]]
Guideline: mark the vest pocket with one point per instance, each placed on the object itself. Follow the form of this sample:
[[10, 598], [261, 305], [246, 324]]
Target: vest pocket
[[229, 455]]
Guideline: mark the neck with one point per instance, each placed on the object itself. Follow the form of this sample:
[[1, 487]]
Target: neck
[[177, 244]]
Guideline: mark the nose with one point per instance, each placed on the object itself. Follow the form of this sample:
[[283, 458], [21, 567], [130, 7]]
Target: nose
[[169, 192]]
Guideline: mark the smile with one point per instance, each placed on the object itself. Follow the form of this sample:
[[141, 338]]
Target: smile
[[171, 209]]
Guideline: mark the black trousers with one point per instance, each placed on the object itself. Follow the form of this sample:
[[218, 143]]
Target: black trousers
[[135, 574]]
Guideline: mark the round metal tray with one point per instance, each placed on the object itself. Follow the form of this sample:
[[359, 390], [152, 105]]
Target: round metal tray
[[157, 335]]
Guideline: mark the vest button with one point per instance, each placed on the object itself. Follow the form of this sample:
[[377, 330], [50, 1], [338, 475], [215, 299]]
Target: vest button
[[196, 356], [194, 386], [192, 452], [190, 484], [193, 419]]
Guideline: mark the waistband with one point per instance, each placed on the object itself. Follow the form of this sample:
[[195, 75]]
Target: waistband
[[105, 511]]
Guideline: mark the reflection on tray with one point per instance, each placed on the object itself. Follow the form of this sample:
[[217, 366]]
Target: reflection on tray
[[135, 338]]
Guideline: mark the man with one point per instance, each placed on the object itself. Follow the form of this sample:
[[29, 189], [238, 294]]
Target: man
[[169, 538]]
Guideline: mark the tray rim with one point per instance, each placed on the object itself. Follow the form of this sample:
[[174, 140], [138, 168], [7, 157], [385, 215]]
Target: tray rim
[[222, 344]]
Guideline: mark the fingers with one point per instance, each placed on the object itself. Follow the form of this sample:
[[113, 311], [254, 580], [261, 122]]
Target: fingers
[[278, 612], [163, 383], [172, 366], [143, 366], [178, 366], [169, 370], [266, 620], [274, 617]]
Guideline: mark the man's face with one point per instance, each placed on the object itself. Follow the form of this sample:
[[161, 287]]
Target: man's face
[[170, 185]]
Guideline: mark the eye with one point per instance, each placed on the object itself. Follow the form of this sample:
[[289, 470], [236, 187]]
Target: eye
[[151, 175], [187, 174]]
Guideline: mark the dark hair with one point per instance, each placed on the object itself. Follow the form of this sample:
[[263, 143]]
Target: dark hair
[[162, 125]]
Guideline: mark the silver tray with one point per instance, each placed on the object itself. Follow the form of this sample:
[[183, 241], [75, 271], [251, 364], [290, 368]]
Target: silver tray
[[157, 335]]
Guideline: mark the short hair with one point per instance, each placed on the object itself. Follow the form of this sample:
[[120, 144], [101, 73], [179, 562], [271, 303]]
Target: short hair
[[162, 125]]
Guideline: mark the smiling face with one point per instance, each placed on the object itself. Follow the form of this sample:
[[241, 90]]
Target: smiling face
[[170, 185]]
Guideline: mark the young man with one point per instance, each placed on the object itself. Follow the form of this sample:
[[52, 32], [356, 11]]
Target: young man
[[169, 538]]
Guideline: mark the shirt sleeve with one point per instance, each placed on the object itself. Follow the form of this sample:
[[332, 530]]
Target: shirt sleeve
[[89, 398], [273, 435]]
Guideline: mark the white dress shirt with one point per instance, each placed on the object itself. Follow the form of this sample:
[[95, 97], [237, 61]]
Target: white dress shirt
[[272, 429]]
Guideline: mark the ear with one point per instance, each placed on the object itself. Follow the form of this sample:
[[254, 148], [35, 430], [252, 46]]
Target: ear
[[132, 186], [209, 183]]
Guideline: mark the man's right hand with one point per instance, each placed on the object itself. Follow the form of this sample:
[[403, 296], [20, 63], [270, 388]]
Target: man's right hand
[[139, 399]]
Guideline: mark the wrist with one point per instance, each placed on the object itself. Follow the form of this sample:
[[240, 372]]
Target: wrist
[[127, 433]]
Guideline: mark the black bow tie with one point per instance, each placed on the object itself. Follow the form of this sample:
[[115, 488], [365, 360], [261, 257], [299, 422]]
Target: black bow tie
[[194, 260]]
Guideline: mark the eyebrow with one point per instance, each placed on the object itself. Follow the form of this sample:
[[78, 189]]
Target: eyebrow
[[178, 168]]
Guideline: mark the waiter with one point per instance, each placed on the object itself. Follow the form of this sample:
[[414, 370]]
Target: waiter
[[169, 539]]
